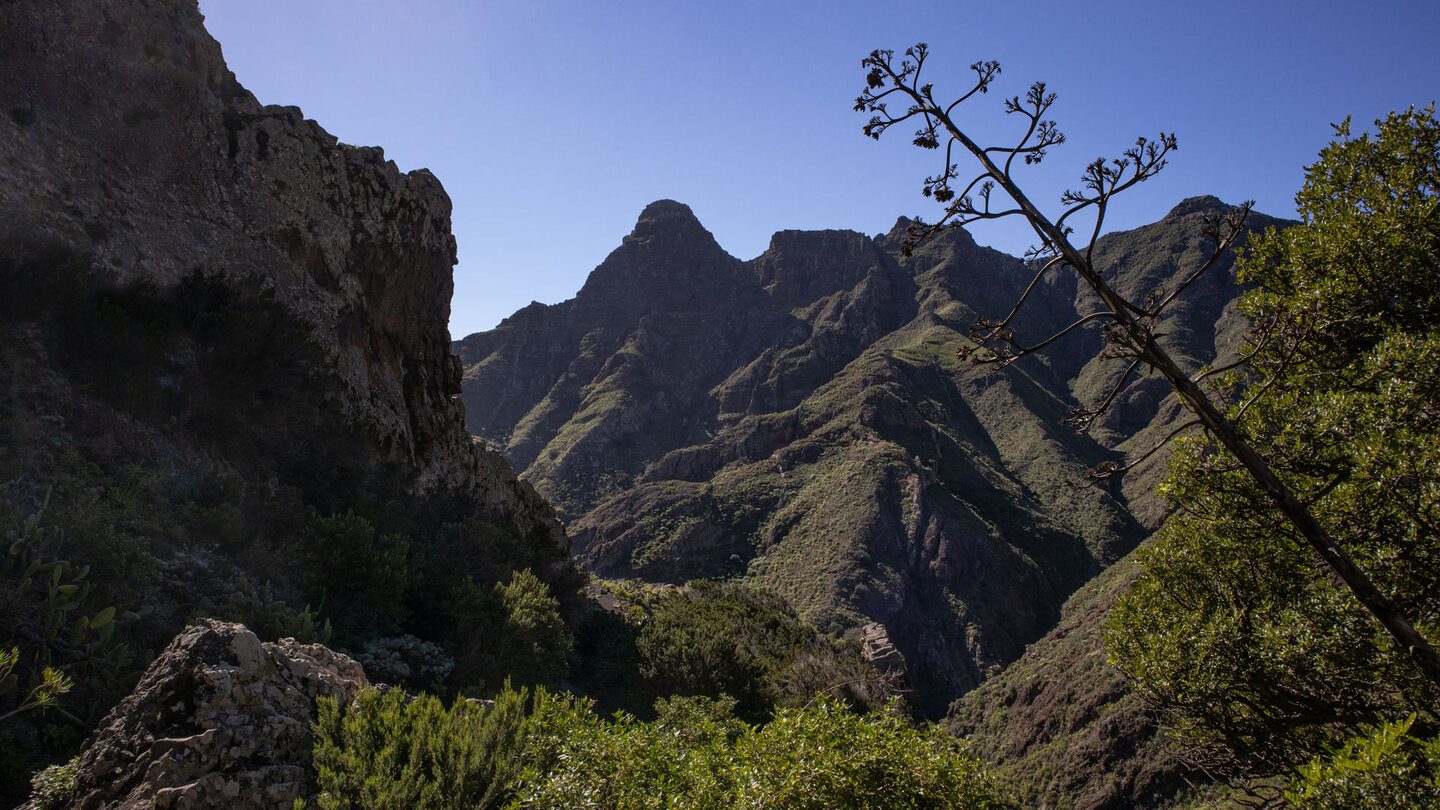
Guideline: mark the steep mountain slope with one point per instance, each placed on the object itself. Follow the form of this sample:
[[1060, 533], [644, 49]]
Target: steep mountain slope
[[218, 327], [801, 420], [1060, 726]]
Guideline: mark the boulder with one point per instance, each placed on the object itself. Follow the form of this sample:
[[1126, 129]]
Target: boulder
[[220, 719]]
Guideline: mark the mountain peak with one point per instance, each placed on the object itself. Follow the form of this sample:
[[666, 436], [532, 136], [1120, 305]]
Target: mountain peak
[[1204, 204], [664, 212]]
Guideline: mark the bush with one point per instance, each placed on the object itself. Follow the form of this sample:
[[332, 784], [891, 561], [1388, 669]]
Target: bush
[[713, 639], [356, 575], [405, 660], [535, 644], [50, 788], [511, 631], [696, 755], [391, 751], [1386, 767]]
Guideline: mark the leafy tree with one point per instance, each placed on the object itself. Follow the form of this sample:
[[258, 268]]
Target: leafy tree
[[511, 631], [1129, 326], [534, 643], [1253, 649], [355, 574]]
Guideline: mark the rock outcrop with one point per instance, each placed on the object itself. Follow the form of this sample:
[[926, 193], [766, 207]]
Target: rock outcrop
[[307, 282], [218, 720]]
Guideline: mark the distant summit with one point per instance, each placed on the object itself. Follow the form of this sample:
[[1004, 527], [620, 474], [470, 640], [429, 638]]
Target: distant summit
[[665, 209], [1204, 204]]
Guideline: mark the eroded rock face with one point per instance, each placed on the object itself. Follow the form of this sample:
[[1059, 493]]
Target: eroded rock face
[[305, 284], [215, 300], [218, 720]]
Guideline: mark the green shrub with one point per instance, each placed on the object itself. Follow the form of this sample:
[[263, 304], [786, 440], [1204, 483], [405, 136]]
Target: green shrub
[[512, 631], [724, 638], [1387, 767], [535, 643], [391, 751], [357, 575], [50, 789], [696, 755]]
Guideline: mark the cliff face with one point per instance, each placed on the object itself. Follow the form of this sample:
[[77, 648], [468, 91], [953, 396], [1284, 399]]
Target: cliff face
[[136, 167], [801, 420], [219, 327]]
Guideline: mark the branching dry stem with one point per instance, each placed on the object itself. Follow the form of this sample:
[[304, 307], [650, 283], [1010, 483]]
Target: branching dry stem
[[1130, 326]]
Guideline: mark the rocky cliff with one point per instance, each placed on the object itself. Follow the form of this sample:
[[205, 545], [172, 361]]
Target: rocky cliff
[[801, 420], [136, 166], [229, 385]]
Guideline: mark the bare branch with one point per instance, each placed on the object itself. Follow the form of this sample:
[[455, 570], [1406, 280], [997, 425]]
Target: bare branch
[[1234, 221], [1083, 418], [1108, 469]]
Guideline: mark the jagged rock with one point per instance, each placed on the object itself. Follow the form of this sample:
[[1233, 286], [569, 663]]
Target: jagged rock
[[306, 283], [218, 720]]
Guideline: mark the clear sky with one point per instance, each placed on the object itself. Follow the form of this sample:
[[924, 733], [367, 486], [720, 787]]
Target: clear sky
[[552, 123]]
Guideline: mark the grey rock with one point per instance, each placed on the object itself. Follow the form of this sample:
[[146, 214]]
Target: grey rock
[[218, 720], [128, 147]]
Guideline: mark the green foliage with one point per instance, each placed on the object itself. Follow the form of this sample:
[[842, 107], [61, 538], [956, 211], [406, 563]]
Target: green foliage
[[56, 589], [578, 759], [697, 755], [729, 639], [392, 751], [357, 575], [1387, 767], [534, 643], [51, 788], [257, 608], [53, 684], [827, 757], [1235, 628]]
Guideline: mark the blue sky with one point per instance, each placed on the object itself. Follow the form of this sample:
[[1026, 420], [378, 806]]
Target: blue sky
[[552, 123]]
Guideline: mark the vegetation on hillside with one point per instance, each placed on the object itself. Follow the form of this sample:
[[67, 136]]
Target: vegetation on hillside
[[850, 466]]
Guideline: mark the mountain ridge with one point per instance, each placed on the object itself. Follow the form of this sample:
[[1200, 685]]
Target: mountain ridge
[[819, 437]]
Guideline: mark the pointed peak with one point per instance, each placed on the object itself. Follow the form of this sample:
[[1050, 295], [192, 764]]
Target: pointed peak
[[901, 225], [1204, 204], [665, 211], [669, 222]]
